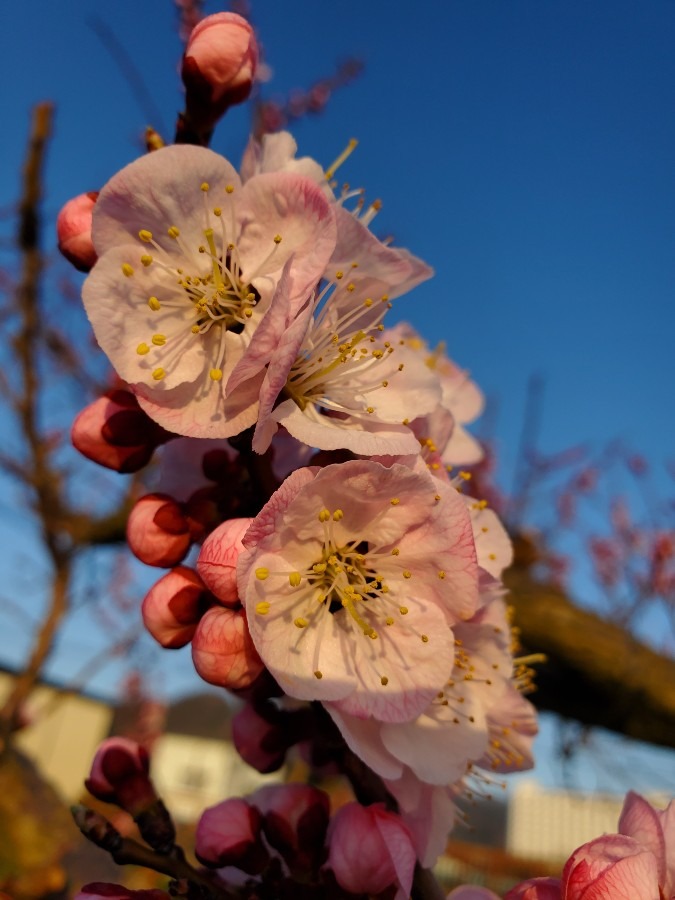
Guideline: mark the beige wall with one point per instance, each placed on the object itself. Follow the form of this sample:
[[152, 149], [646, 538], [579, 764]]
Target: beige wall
[[64, 733]]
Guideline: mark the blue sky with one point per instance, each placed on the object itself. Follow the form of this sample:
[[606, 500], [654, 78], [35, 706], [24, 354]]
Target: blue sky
[[524, 149]]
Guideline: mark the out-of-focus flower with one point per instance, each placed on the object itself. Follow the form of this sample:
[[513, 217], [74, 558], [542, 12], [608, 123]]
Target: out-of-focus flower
[[119, 774], [218, 69], [73, 231], [173, 607], [370, 849], [353, 576], [260, 739], [114, 432], [535, 889], [217, 563], [229, 834], [158, 532], [295, 820], [190, 263], [471, 892], [99, 890], [222, 650]]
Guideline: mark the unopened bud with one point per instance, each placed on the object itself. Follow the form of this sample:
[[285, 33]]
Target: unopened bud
[[99, 890], [119, 774], [218, 68], [228, 834], [222, 650], [114, 432], [158, 533], [217, 562], [73, 230], [173, 607], [295, 819], [259, 738]]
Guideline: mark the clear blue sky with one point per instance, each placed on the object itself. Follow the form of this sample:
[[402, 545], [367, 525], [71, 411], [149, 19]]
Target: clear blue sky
[[525, 149]]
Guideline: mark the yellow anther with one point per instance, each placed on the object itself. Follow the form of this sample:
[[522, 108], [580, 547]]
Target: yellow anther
[[484, 529], [262, 573], [324, 515], [384, 681], [441, 574], [173, 232], [385, 384], [145, 235], [492, 556], [262, 608], [339, 275], [405, 422], [158, 374], [277, 238], [385, 298], [437, 497], [394, 501], [337, 515], [300, 622], [248, 312], [319, 568], [195, 329], [370, 409], [407, 573], [127, 270], [294, 579], [403, 610], [142, 349], [159, 340], [318, 674], [229, 188], [204, 186], [351, 287], [395, 551], [425, 639], [389, 621], [146, 259], [154, 303], [401, 367], [368, 301], [217, 211], [372, 634], [465, 476], [216, 374]]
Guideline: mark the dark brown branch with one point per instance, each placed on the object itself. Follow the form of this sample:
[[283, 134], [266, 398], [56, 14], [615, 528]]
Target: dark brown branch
[[597, 673]]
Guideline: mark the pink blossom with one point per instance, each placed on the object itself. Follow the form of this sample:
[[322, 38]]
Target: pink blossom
[[218, 68], [217, 563], [173, 607], [369, 850], [158, 532], [295, 819], [276, 153], [229, 834], [114, 432], [173, 319], [119, 774], [389, 555], [222, 650], [536, 889], [73, 230], [654, 829]]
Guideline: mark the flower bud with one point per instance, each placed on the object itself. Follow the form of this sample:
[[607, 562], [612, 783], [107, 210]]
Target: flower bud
[[228, 834], [222, 650], [119, 774], [217, 563], [114, 432], [370, 849], [73, 230], [532, 889], [218, 68], [157, 531], [598, 867], [99, 890], [259, 739], [173, 607], [295, 820]]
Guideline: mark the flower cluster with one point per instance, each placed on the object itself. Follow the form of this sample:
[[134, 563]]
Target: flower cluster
[[344, 582]]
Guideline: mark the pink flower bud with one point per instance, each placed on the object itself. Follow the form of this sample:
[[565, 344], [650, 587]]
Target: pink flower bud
[[218, 69], [157, 531], [217, 563], [173, 607], [295, 820], [73, 230], [119, 774], [222, 650], [370, 849], [228, 834], [98, 890], [258, 739], [114, 432], [612, 867]]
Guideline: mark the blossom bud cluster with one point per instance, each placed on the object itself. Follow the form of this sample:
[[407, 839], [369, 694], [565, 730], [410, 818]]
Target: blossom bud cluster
[[341, 576]]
